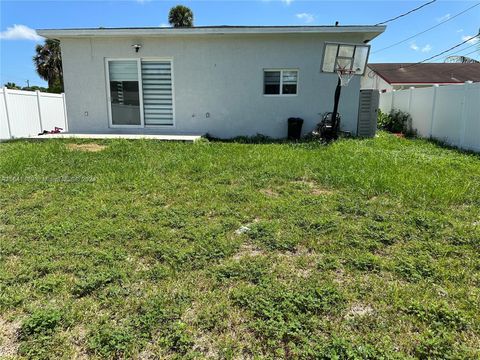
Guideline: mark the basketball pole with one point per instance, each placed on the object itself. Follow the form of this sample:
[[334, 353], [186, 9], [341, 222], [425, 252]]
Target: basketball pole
[[336, 100]]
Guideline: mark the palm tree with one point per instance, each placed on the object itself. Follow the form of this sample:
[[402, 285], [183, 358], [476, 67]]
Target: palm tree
[[48, 63], [12, 86], [180, 16]]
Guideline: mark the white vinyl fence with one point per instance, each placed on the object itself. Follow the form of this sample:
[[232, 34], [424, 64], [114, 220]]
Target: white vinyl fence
[[27, 113], [448, 113]]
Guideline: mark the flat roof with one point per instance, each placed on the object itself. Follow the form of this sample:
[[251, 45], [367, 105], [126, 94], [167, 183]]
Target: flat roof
[[371, 30]]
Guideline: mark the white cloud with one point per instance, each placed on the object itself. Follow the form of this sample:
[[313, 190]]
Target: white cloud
[[414, 46], [286, 2], [306, 17], [471, 39], [444, 17], [164, 25], [426, 48], [20, 32], [142, 1], [459, 30]]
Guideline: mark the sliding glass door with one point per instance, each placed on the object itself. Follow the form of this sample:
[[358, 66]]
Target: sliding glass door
[[140, 92], [124, 94]]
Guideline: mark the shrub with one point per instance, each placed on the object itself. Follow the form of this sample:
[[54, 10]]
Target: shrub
[[397, 121]]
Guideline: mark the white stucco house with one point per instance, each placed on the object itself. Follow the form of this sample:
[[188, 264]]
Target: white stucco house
[[226, 81]]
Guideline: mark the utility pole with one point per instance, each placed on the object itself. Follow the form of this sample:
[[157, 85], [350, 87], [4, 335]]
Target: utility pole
[[28, 83]]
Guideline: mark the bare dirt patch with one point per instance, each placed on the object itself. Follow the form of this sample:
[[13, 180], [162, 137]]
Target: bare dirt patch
[[77, 337], [301, 262], [299, 251], [359, 310], [92, 147], [8, 338], [247, 250]]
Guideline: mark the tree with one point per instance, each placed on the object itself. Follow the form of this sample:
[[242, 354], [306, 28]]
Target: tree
[[48, 63], [12, 86], [180, 16]]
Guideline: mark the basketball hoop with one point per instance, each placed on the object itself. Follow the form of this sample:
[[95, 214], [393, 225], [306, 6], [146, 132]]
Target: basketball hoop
[[345, 75], [347, 60]]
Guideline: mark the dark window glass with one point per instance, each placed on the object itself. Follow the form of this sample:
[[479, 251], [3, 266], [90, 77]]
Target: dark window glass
[[271, 80], [125, 92], [289, 89]]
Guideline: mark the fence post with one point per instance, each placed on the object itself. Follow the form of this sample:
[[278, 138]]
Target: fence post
[[39, 110], [6, 111], [434, 101], [65, 112], [463, 121], [410, 94]]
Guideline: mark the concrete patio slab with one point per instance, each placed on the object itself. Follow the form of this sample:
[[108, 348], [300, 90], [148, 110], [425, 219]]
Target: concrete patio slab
[[119, 136]]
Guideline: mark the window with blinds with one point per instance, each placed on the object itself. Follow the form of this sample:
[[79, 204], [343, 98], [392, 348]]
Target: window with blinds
[[157, 92], [280, 82]]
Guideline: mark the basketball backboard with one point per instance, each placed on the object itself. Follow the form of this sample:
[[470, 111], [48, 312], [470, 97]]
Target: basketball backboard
[[344, 56]]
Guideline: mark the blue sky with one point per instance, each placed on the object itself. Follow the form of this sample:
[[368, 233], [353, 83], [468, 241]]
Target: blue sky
[[17, 17]]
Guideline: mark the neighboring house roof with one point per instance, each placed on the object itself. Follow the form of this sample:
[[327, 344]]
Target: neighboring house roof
[[427, 73], [369, 32]]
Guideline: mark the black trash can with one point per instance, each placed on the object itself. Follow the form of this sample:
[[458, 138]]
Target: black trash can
[[294, 128]]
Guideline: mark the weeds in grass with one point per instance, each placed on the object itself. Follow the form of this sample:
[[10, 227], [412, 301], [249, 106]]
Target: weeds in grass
[[367, 250], [42, 321], [285, 317]]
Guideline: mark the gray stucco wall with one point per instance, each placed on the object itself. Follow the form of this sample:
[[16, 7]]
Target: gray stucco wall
[[215, 74]]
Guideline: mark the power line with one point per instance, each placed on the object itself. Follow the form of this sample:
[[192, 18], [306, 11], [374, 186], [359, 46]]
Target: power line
[[405, 14], [466, 48], [441, 53], [426, 30], [471, 52], [434, 56]]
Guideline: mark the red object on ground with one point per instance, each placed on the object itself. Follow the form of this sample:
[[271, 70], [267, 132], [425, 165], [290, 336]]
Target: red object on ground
[[399, 135], [56, 130]]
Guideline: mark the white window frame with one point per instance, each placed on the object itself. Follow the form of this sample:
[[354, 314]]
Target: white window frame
[[140, 89], [281, 81]]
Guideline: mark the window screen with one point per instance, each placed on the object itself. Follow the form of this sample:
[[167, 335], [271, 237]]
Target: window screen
[[289, 82], [280, 82]]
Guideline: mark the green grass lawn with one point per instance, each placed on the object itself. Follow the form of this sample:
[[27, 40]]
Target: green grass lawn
[[143, 249]]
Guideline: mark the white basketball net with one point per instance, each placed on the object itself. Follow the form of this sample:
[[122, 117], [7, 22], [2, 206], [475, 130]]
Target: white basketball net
[[345, 75]]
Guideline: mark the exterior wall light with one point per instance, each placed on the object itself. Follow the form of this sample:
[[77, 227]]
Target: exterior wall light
[[136, 47]]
